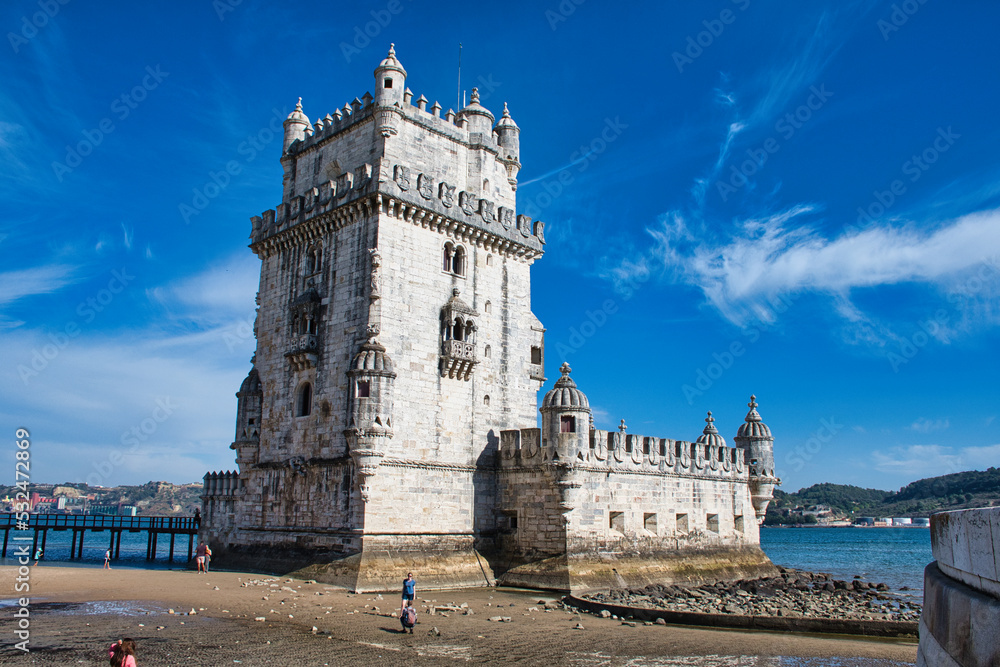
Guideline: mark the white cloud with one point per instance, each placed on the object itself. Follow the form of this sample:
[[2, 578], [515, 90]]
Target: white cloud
[[21, 283], [218, 294], [771, 257], [920, 461], [924, 425]]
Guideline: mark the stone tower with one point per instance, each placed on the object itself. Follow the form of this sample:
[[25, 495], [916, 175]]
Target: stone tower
[[390, 420], [395, 340]]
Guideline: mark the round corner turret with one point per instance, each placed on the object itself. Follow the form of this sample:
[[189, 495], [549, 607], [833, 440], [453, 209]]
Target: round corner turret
[[566, 417], [390, 80], [295, 126]]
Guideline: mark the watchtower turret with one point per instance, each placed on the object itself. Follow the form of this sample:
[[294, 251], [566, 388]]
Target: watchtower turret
[[754, 437], [295, 126], [480, 118], [565, 419], [509, 138]]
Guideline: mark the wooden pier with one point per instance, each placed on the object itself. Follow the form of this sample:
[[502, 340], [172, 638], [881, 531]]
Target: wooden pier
[[81, 524]]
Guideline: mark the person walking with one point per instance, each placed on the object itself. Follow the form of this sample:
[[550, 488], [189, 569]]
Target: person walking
[[122, 653], [408, 617], [409, 588], [38, 555], [107, 559], [202, 556]]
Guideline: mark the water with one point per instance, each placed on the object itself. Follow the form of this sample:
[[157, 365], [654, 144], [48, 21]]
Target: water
[[133, 550], [896, 556]]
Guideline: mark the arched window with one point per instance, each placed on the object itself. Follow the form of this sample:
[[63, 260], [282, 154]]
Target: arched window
[[486, 185], [449, 252], [489, 260], [459, 330], [303, 400], [314, 260], [487, 352], [458, 264], [470, 332], [488, 307], [486, 399]]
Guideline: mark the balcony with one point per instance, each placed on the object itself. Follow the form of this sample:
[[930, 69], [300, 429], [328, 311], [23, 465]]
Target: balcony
[[458, 358], [303, 352]]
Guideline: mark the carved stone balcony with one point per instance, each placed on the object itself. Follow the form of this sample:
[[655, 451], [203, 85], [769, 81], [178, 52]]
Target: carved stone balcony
[[304, 351], [458, 358]]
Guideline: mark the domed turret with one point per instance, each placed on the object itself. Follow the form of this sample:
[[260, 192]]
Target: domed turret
[[479, 117], [390, 80], [565, 419], [249, 403], [757, 443], [508, 136], [295, 126], [710, 436], [370, 417]]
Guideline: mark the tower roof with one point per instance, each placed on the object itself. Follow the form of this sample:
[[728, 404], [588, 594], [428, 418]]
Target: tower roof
[[506, 121], [565, 394], [372, 358], [475, 108], [710, 436], [251, 385], [390, 62], [753, 427], [297, 114]]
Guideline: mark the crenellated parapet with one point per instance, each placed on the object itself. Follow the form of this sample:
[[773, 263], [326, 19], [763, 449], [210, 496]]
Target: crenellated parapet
[[626, 453]]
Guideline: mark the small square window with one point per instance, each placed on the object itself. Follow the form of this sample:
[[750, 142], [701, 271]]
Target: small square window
[[682, 524], [536, 355], [388, 83], [567, 424], [616, 521], [739, 523], [649, 522], [364, 389], [712, 523]]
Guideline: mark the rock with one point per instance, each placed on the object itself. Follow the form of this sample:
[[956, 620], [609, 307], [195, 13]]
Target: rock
[[631, 624], [578, 626], [605, 613], [496, 619], [216, 588], [660, 621], [434, 631], [315, 629]]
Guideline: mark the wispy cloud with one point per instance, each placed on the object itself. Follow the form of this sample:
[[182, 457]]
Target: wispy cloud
[[925, 425], [781, 254], [15, 285], [918, 461]]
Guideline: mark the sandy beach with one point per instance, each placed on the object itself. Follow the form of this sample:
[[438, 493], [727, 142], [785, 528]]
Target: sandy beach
[[77, 612]]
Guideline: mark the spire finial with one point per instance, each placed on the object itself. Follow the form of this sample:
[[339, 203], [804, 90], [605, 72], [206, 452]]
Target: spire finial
[[392, 50], [622, 427], [475, 96], [710, 418], [506, 114], [455, 292], [753, 401], [565, 369], [298, 105]]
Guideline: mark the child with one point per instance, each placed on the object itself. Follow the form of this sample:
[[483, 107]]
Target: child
[[408, 618], [107, 559], [122, 653]]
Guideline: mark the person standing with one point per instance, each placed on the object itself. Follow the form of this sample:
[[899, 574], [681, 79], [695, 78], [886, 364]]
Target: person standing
[[409, 589], [107, 559], [202, 556]]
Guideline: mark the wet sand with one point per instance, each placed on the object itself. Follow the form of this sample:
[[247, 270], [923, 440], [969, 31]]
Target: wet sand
[[77, 612]]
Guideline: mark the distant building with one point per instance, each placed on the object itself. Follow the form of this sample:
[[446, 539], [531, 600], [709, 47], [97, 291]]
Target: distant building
[[922, 523], [902, 521]]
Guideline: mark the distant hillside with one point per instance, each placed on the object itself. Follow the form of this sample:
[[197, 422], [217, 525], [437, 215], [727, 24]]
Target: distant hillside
[[975, 488], [156, 498]]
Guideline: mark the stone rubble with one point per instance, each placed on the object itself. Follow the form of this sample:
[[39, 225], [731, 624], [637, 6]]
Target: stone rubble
[[793, 594]]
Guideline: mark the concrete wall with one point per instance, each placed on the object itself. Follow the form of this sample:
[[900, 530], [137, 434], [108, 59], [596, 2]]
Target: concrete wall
[[960, 624]]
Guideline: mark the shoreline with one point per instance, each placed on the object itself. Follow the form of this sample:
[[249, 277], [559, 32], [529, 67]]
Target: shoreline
[[77, 612]]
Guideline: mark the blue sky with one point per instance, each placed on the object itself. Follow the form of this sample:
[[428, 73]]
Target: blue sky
[[797, 200]]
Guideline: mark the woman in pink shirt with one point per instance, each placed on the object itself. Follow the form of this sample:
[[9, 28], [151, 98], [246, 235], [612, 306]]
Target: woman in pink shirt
[[122, 653]]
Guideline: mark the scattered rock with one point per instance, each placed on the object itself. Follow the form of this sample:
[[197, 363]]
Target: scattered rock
[[578, 626]]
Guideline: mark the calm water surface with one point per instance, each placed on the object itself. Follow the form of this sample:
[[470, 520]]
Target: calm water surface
[[896, 556]]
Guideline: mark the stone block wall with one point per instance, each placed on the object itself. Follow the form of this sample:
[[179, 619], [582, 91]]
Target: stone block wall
[[961, 613]]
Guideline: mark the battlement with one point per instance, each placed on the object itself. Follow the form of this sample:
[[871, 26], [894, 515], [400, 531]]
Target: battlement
[[618, 451]]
